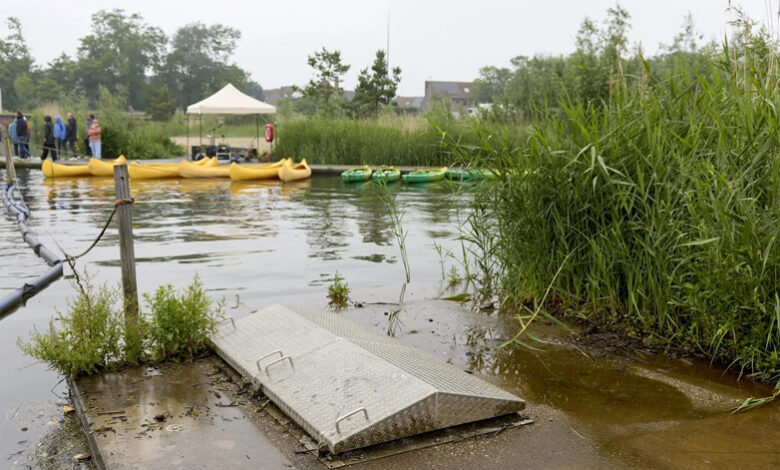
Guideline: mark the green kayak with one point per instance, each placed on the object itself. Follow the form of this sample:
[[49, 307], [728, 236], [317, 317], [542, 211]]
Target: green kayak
[[424, 176], [467, 175], [360, 173], [386, 174]]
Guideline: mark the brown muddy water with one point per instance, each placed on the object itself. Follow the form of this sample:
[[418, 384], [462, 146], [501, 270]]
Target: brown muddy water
[[259, 243]]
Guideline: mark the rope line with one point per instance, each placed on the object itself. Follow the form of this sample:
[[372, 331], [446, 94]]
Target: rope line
[[71, 260], [117, 203]]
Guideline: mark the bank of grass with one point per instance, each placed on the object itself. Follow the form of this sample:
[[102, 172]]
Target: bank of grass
[[658, 209], [92, 335], [399, 141]]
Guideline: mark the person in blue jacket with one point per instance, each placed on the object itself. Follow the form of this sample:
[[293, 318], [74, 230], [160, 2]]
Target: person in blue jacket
[[59, 135], [12, 136]]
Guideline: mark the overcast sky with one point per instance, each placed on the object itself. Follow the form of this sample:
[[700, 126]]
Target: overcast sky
[[429, 39]]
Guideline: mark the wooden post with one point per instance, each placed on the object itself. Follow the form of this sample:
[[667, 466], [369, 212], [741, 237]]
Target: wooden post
[[9, 162], [126, 249]]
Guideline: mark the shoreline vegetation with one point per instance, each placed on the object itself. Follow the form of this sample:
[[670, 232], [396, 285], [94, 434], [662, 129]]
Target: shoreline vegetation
[[652, 211]]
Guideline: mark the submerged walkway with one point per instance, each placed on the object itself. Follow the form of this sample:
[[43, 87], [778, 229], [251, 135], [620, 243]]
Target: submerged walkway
[[592, 408]]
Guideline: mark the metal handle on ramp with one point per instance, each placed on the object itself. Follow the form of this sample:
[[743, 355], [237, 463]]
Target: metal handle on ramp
[[226, 319], [288, 358], [278, 351], [338, 420]]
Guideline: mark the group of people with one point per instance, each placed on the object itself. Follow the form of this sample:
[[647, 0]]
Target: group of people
[[58, 137]]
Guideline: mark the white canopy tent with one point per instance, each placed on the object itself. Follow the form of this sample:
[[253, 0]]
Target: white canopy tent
[[228, 100]]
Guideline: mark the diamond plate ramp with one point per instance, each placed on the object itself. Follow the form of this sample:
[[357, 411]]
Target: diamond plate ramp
[[349, 386]]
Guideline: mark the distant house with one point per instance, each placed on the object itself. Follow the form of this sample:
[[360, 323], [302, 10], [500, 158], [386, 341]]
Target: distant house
[[405, 102], [459, 93], [408, 104]]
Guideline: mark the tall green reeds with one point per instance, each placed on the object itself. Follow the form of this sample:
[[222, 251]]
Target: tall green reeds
[[666, 200], [404, 141]]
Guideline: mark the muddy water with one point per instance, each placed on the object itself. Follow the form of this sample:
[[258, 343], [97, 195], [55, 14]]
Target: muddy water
[[260, 243]]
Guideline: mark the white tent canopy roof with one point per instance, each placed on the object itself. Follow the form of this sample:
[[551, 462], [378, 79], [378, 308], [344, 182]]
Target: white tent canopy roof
[[230, 100]]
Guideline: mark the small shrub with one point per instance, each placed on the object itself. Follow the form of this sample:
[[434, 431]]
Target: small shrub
[[94, 335], [88, 338], [338, 293], [179, 325]]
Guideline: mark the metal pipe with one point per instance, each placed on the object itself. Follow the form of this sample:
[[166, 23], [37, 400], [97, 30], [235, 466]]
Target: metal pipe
[[20, 295]]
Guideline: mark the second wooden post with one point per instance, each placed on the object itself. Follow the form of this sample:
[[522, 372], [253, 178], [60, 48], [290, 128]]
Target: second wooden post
[[124, 213]]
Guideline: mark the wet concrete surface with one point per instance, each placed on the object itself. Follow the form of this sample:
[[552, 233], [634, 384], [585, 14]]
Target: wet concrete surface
[[642, 411], [174, 415]]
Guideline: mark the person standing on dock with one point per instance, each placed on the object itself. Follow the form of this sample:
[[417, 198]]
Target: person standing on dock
[[48, 139], [86, 135], [93, 133], [59, 135], [12, 136], [70, 134], [22, 135]]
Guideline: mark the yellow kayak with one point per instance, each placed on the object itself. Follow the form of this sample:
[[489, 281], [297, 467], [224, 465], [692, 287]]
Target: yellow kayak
[[288, 172], [260, 172], [51, 169], [153, 171], [206, 162], [101, 168], [193, 170]]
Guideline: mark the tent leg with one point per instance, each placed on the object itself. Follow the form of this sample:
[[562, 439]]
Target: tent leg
[[200, 130], [188, 151], [257, 136]]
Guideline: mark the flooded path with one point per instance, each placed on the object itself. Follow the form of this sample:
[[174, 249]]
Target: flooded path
[[259, 243]]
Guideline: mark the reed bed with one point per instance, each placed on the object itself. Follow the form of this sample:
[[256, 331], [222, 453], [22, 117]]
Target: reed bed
[[401, 142], [657, 209]]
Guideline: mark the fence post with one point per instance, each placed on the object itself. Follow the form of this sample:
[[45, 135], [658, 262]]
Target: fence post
[[127, 257]]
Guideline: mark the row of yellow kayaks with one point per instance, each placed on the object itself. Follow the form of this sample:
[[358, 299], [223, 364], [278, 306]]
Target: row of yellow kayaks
[[284, 169]]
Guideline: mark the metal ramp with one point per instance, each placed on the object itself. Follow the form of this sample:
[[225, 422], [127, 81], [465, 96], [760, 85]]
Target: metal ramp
[[349, 386]]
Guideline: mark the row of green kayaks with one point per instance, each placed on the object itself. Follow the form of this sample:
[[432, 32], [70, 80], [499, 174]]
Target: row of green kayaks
[[389, 174]]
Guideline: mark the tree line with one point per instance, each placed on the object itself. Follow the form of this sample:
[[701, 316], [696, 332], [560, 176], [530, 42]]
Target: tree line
[[601, 60], [130, 59]]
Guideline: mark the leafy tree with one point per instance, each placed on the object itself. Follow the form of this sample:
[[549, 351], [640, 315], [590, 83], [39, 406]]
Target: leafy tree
[[62, 70], [254, 90], [376, 86], [121, 50], [324, 89], [24, 89], [536, 81], [163, 105], [491, 83], [15, 62], [198, 62]]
